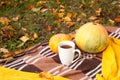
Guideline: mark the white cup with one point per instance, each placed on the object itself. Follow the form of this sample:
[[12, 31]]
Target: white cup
[[66, 51]]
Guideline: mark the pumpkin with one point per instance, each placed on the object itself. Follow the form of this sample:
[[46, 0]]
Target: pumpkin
[[91, 37], [55, 39]]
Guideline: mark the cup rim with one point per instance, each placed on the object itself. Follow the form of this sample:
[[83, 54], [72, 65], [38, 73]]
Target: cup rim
[[71, 43]]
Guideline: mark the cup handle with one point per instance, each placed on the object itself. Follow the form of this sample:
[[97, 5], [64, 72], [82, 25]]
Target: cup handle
[[79, 54]]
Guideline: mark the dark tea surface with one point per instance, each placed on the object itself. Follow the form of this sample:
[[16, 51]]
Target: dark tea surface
[[66, 46]]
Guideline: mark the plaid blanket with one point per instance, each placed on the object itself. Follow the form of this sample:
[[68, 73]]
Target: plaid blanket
[[40, 58]]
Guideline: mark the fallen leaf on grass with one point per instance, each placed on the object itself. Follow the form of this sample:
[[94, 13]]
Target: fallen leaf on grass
[[69, 24], [3, 50], [74, 15], [7, 31], [81, 16], [35, 36], [67, 19], [111, 21], [60, 15], [16, 18], [18, 52], [40, 3], [98, 12], [69, 15], [24, 38], [44, 10], [58, 2], [92, 18], [36, 9], [62, 10], [20, 45], [48, 28], [9, 54], [54, 11], [31, 7], [58, 21], [1, 3], [117, 19], [4, 20], [24, 29], [62, 7]]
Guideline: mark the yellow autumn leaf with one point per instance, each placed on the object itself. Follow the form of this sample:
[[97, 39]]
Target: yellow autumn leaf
[[58, 2], [62, 10], [67, 19], [62, 7], [21, 44], [35, 36], [98, 12], [81, 16], [24, 29], [74, 15], [54, 11], [40, 3], [111, 21], [4, 50], [60, 15], [24, 38], [92, 18], [4, 20], [69, 15]]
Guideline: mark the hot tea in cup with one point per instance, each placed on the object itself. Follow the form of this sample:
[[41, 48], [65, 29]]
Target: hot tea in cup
[[66, 51]]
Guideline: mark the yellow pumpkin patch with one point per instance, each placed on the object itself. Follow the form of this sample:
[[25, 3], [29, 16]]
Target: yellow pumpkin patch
[[55, 39]]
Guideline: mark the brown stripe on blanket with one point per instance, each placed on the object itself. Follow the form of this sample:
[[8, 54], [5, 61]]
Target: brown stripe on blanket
[[88, 65], [45, 64], [31, 68], [56, 59]]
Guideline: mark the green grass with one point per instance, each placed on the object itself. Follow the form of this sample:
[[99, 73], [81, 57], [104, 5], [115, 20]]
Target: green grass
[[36, 21]]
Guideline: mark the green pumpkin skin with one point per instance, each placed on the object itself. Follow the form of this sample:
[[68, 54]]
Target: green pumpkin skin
[[92, 38]]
